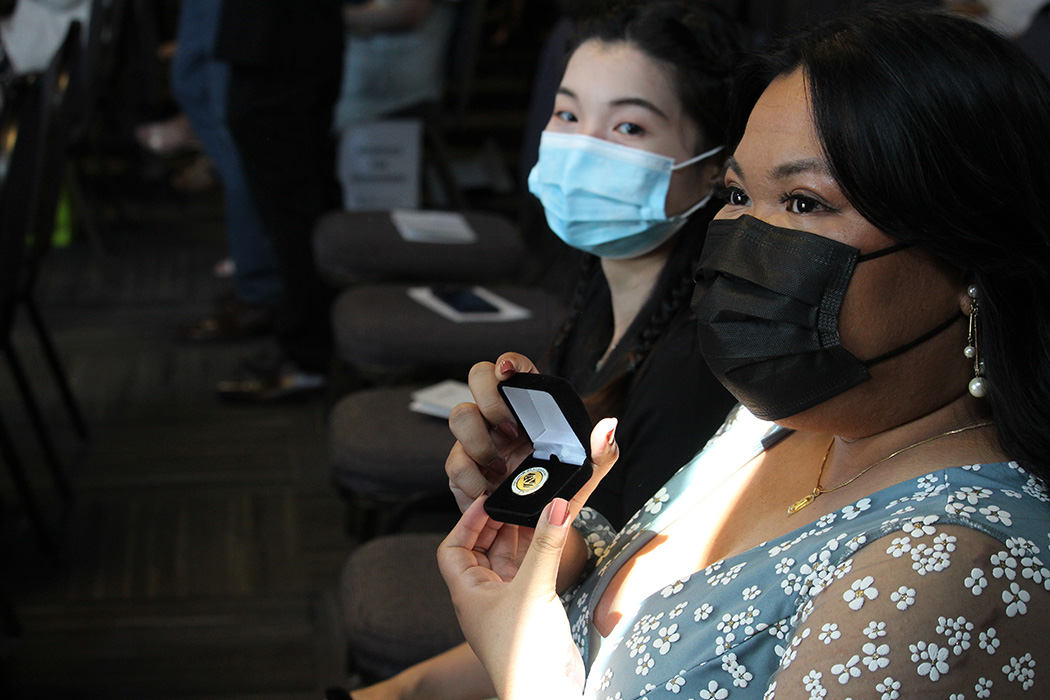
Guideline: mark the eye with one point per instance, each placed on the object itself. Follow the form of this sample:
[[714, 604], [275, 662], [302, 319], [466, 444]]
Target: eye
[[802, 204], [565, 115], [734, 196], [630, 129]]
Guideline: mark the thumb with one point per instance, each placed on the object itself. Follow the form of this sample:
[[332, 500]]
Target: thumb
[[539, 568]]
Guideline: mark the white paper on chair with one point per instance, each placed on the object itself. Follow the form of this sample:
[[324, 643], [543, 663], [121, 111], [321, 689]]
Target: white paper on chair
[[437, 400], [433, 226], [471, 304]]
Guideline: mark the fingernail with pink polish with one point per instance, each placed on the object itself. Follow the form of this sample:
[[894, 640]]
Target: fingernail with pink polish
[[509, 429], [507, 367], [559, 512], [610, 437]]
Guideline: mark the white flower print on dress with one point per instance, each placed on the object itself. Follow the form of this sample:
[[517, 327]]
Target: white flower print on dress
[[645, 664], [713, 692], [674, 588], [983, 688], [995, 514], [960, 508], [668, 636], [889, 688], [751, 592], [976, 581], [854, 509], [932, 659], [676, 684], [703, 612], [741, 676], [723, 578], [988, 641], [957, 630], [921, 526], [1021, 670], [860, 592], [606, 679], [1035, 489], [973, 494], [656, 502], [1004, 566], [899, 547], [874, 630], [1016, 600], [876, 656], [811, 681], [848, 670], [678, 610], [904, 597], [928, 559], [784, 565], [829, 632]]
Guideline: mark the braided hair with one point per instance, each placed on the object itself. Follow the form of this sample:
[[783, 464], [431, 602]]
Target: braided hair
[[668, 303]]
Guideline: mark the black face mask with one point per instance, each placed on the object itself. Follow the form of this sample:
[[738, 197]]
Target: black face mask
[[767, 303]]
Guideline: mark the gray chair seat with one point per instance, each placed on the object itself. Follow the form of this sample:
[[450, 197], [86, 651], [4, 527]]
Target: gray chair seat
[[380, 326], [379, 447], [395, 605], [365, 246]]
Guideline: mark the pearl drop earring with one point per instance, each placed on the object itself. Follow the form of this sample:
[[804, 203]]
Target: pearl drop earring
[[978, 385]]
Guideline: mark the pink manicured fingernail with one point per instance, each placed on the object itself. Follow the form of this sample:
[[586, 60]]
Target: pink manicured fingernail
[[559, 512], [508, 429], [507, 367]]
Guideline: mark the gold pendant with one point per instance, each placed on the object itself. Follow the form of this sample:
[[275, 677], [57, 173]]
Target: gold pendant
[[803, 502]]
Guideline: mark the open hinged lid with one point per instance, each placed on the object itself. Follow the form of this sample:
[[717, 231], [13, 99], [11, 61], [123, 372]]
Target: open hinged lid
[[552, 414]]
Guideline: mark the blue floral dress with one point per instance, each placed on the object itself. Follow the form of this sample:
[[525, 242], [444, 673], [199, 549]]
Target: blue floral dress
[[931, 588]]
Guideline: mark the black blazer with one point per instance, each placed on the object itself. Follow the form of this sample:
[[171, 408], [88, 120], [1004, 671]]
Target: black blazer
[[280, 33]]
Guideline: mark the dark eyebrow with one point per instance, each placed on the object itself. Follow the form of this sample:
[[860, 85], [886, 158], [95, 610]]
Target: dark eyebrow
[[622, 102], [806, 165]]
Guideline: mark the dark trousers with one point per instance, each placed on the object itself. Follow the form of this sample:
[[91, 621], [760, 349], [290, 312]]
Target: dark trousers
[[280, 119]]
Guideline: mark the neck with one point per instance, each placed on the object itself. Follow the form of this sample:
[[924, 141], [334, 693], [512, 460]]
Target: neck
[[631, 282], [849, 456]]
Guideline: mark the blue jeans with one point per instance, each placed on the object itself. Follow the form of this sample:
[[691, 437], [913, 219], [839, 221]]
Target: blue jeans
[[200, 85]]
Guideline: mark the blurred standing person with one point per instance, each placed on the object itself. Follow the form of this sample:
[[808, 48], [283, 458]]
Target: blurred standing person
[[285, 60], [200, 83]]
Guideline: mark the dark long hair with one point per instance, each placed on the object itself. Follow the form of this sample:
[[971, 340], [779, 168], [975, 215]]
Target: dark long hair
[[937, 130], [700, 45]]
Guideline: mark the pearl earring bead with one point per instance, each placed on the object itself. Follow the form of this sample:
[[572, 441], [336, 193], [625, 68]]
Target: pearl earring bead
[[977, 388]]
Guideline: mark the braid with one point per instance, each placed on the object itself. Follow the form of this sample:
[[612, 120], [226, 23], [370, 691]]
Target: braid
[[672, 295], [559, 345]]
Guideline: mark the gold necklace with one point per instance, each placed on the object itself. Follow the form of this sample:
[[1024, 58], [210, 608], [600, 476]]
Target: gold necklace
[[820, 490]]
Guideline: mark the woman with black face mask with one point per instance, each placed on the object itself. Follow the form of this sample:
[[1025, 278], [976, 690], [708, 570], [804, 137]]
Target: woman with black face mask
[[872, 520]]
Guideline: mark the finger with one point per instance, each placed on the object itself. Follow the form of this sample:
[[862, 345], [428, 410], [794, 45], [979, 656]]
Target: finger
[[483, 386], [510, 363], [464, 474], [604, 453], [539, 568], [456, 555]]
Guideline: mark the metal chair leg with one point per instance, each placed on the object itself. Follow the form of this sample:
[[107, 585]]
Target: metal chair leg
[[57, 370], [37, 420], [25, 492]]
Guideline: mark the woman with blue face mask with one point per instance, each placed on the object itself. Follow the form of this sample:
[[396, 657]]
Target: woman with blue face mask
[[627, 166]]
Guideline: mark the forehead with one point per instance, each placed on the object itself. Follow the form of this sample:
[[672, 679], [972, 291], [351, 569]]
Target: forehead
[[610, 71], [780, 129]]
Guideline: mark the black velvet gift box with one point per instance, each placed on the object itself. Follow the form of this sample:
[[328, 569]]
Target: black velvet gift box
[[555, 419]]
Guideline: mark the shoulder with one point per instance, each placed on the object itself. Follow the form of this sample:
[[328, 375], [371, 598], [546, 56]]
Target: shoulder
[[933, 594]]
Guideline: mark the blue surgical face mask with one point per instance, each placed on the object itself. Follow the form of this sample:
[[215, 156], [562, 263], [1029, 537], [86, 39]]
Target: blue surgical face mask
[[607, 199]]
